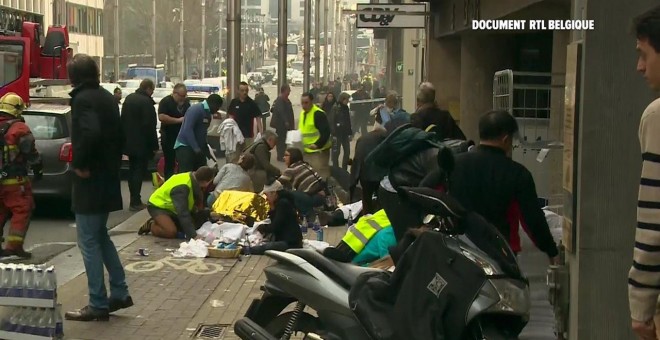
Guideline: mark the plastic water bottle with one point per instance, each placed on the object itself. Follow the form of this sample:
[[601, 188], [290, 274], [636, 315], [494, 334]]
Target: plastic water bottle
[[39, 280], [17, 282], [14, 319], [43, 328], [6, 281], [50, 284], [59, 323], [22, 320], [28, 282], [303, 225], [349, 220], [316, 226]]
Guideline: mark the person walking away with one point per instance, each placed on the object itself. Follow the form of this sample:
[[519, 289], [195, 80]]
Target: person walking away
[[428, 113], [171, 111], [361, 110], [173, 204], [231, 139], [487, 181], [244, 111], [263, 172], [284, 221], [117, 94], [263, 102], [191, 147], [96, 139], [16, 200], [233, 176], [315, 129], [282, 120], [339, 117], [138, 120], [644, 278]]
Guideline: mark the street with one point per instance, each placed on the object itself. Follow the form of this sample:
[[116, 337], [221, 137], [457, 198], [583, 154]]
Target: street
[[53, 230]]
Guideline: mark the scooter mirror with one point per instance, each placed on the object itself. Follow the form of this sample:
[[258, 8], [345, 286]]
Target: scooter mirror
[[428, 219]]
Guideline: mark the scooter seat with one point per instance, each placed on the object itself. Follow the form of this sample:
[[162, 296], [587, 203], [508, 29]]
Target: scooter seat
[[343, 273]]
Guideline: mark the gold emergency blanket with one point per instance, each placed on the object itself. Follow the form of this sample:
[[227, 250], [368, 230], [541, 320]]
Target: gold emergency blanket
[[239, 205]]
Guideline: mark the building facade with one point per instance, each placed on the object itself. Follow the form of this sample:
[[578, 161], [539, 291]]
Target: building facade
[[84, 18]]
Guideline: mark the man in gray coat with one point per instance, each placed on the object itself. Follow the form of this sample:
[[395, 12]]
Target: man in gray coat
[[263, 172]]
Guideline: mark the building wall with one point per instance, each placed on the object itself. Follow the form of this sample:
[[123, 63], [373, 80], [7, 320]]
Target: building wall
[[84, 18], [36, 6]]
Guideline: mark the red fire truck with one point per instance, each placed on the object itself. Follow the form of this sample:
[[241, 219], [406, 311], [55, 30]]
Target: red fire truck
[[24, 61]]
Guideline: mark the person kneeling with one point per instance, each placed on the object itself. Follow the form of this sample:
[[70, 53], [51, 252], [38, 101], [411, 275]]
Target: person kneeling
[[173, 204], [367, 240], [284, 221]]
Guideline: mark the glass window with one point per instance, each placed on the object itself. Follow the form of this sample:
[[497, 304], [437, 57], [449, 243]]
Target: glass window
[[46, 126], [12, 62]]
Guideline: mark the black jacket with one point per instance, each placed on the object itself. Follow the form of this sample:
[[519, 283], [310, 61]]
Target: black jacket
[[284, 221], [282, 119], [364, 145], [487, 182], [262, 102], [446, 126], [97, 140], [340, 120], [138, 119]]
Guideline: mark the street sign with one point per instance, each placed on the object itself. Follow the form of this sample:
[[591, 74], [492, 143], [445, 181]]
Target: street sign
[[414, 17], [399, 67]]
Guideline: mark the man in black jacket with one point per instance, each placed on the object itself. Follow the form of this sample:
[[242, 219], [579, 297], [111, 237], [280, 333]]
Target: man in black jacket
[[487, 181], [282, 120], [97, 140], [138, 119], [171, 110], [428, 113]]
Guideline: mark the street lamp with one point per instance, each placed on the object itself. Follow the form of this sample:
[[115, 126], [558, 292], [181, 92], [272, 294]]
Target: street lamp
[[179, 12], [203, 75]]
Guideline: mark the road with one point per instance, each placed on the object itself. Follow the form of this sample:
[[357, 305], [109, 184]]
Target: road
[[53, 228]]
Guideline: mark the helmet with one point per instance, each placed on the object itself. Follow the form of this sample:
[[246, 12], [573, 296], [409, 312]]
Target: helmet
[[12, 104]]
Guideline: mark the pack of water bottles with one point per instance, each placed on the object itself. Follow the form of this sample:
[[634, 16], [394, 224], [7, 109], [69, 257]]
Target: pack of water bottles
[[27, 281], [43, 322]]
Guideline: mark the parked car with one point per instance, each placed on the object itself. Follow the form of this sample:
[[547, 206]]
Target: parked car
[[51, 127]]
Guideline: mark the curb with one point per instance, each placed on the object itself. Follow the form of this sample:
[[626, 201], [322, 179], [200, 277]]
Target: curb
[[70, 264]]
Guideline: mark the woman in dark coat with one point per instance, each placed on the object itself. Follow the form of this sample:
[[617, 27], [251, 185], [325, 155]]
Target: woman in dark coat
[[328, 103], [340, 128]]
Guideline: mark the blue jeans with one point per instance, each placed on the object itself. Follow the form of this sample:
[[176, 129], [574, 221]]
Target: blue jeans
[[98, 250]]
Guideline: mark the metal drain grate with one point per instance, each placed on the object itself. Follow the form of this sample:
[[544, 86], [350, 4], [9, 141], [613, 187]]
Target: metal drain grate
[[216, 331]]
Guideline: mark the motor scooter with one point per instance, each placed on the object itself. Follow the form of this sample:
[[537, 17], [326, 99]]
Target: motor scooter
[[306, 278]]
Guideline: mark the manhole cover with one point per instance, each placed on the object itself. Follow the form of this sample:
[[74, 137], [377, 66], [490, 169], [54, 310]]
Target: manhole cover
[[216, 331]]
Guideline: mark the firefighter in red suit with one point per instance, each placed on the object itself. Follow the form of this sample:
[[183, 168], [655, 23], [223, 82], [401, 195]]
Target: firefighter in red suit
[[19, 156]]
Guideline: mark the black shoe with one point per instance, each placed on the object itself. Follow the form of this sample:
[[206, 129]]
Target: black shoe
[[137, 207], [88, 313], [146, 227], [116, 304], [20, 252]]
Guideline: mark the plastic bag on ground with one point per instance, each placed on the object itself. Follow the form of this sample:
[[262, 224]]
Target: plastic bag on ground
[[225, 232], [316, 245], [255, 239], [192, 248], [293, 137], [250, 231]]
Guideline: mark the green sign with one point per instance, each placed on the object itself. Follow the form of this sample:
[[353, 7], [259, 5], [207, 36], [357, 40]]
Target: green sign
[[399, 66]]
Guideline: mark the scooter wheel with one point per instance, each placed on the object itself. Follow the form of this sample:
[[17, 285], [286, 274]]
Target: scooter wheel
[[307, 323]]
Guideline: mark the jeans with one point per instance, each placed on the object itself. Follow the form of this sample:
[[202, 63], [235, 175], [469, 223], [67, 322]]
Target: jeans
[[98, 250], [137, 170], [339, 143]]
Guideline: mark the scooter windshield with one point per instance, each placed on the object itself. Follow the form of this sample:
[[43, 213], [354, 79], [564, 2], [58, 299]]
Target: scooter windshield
[[489, 240]]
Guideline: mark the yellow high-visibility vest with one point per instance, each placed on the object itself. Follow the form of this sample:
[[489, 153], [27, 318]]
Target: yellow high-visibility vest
[[161, 197], [359, 234], [310, 134]]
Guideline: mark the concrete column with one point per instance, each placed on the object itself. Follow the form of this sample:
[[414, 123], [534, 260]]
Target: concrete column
[[282, 34], [613, 97], [410, 75], [446, 74], [481, 56]]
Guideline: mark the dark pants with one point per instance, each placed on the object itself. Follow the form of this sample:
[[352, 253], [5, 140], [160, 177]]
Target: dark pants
[[275, 245], [167, 144], [137, 171], [361, 122], [401, 214], [369, 205], [281, 143], [340, 143], [189, 160]]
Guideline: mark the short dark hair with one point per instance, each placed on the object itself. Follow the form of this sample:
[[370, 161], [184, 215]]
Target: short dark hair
[[147, 84], [647, 27], [214, 100], [308, 95], [497, 124], [248, 161], [179, 86], [117, 90], [243, 84], [295, 155], [83, 69], [285, 88], [204, 173]]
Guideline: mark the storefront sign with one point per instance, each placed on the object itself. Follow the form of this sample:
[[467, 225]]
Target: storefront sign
[[390, 18]]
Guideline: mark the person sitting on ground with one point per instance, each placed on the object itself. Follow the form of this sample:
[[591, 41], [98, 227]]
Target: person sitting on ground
[[263, 171], [284, 221], [341, 216], [173, 204], [307, 185], [233, 176]]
